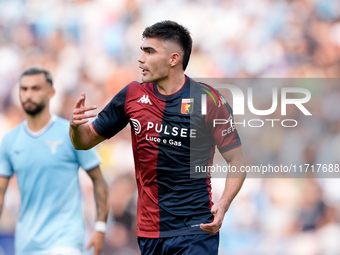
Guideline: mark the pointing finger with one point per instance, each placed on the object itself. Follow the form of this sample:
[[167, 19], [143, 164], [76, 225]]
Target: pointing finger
[[81, 101]]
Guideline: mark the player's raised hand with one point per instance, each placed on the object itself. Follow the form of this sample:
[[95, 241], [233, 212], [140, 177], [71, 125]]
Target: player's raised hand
[[79, 115], [218, 211], [97, 241]]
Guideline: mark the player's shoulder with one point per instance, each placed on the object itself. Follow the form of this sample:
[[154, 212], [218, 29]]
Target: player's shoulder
[[135, 85], [61, 121], [10, 136], [15, 130], [200, 86], [60, 125], [136, 88], [130, 89], [214, 97], [60, 130]]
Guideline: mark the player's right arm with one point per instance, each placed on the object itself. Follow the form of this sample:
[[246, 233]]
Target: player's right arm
[[82, 133], [110, 121], [6, 170], [3, 187]]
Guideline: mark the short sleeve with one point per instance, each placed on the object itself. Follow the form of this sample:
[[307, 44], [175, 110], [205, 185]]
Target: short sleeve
[[220, 122], [112, 118], [88, 159], [6, 168]]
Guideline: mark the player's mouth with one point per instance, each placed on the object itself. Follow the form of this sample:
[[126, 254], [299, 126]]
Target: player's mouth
[[144, 71], [29, 103]]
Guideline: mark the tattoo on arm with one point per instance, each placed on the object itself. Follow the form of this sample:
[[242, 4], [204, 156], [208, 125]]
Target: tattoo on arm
[[3, 187], [100, 190]]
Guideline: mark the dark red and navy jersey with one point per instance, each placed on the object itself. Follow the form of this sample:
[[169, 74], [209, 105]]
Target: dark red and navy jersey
[[170, 138]]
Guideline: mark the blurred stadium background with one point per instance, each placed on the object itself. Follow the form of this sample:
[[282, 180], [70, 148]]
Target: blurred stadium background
[[93, 46]]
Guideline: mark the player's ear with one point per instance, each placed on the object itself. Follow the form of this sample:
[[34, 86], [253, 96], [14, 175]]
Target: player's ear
[[174, 59], [52, 92]]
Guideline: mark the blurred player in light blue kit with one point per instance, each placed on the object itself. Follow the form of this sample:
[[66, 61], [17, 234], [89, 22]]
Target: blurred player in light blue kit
[[40, 153]]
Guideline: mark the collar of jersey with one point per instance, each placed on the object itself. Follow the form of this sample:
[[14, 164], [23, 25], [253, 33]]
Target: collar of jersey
[[182, 90], [41, 131]]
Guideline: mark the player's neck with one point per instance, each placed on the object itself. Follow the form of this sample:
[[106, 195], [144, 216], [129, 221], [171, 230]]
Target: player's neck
[[171, 84], [39, 121]]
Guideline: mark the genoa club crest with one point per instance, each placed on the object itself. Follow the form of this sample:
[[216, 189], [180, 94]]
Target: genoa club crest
[[187, 105]]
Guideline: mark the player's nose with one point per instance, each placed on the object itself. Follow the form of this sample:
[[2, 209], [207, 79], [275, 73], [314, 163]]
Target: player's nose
[[27, 94], [141, 58]]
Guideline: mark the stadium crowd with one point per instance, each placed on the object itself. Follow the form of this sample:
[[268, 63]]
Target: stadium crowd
[[93, 46]]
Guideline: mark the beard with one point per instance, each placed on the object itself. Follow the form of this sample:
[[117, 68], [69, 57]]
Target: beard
[[32, 111]]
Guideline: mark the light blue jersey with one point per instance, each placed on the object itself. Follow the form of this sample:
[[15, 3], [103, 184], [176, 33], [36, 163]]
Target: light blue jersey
[[46, 165]]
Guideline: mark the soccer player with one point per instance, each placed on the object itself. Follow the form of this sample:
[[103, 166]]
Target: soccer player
[[40, 153], [171, 136]]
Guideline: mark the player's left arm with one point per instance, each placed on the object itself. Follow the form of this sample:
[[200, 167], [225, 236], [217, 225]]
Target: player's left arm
[[233, 184], [3, 187], [100, 190]]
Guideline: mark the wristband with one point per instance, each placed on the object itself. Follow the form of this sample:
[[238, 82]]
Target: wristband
[[100, 226]]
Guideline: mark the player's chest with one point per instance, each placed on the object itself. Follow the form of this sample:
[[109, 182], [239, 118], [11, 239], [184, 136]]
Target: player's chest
[[34, 152], [161, 122]]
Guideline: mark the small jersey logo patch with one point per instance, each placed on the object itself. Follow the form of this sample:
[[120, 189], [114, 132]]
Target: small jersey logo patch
[[144, 100], [136, 126], [53, 145], [187, 105]]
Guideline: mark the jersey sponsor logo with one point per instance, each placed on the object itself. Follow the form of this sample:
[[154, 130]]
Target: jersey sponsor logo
[[230, 129], [53, 145], [145, 100], [187, 105], [136, 126], [170, 130]]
